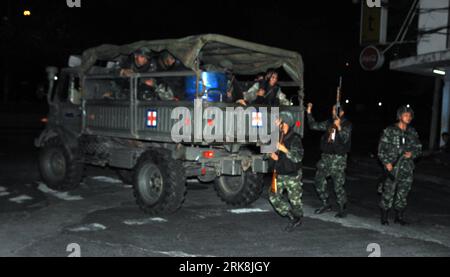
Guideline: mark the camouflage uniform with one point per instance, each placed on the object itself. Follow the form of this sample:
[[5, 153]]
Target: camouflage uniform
[[160, 91], [333, 162], [331, 166], [294, 188], [163, 87], [164, 92], [289, 180], [393, 144]]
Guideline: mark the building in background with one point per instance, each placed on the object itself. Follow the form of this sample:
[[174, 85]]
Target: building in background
[[432, 59]]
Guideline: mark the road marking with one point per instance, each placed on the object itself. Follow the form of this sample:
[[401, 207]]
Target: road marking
[[20, 199], [309, 168], [139, 222], [181, 254], [248, 211], [107, 180], [3, 192], [127, 186], [60, 195], [93, 227], [308, 181]]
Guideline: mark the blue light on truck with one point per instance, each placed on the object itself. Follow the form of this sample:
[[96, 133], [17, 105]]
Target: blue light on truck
[[214, 84]]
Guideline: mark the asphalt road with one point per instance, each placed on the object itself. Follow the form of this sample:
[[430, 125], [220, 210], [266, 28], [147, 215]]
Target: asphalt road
[[102, 219]]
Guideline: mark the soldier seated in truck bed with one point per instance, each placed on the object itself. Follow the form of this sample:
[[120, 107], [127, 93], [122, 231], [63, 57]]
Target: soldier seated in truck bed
[[267, 91], [152, 90], [165, 61], [138, 62], [144, 61]]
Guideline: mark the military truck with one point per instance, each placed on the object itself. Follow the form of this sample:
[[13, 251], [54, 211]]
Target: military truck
[[134, 136]]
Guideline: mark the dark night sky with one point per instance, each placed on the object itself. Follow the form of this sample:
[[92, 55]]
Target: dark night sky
[[326, 33]]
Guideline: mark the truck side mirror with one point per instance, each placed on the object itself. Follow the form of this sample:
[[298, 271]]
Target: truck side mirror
[[51, 75]]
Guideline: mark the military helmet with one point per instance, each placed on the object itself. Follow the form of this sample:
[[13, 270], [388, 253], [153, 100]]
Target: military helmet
[[144, 51], [166, 55], [404, 109], [286, 117]]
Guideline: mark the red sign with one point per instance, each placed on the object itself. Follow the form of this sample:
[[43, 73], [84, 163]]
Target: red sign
[[152, 119], [371, 58]]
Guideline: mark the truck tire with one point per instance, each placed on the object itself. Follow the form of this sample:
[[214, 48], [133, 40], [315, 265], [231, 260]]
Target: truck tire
[[159, 183], [239, 191], [59, 171]]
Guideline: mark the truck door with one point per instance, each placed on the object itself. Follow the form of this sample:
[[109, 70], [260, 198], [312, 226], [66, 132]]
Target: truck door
[[68, 101]]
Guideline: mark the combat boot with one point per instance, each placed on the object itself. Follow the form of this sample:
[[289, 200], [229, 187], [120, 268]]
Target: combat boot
[[326, 207], [342, 213], [384, 217], [295, 222], [400, 219]]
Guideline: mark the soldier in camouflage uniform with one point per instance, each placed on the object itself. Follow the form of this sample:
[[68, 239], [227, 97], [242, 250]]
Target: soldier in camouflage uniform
[[399, 146], [151, 90], [267, 91], [144, 61], [335, 144], [287, 163]]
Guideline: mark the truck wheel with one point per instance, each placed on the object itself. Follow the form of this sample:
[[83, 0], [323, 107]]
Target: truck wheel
[[159, 183], [239, 190], [125, 176], [58, 170]]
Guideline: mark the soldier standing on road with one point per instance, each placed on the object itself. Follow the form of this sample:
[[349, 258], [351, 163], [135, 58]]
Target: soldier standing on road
[[288, 166], [399, 146], [335, 144]]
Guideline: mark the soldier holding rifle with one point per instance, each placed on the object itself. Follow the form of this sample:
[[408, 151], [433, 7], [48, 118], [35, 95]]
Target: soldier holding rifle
[[287, 173], [335, 144], [399, 146]]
